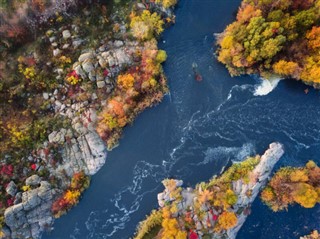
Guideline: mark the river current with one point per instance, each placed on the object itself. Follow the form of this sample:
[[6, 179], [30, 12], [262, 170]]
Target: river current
[[197, 130]]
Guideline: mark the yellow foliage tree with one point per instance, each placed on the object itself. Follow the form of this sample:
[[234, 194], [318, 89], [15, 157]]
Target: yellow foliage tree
[[161, 56], [226, 221], [311, 70], [170, 184], [109, 120], [267, 195], [72, 196], [285, 68], [174, 208], [166, 213], [19, 136], [181, 235], [227, 42], [299, 175], [146, 25], [26, 188], [171, 229], [311, 165], [305, 195]]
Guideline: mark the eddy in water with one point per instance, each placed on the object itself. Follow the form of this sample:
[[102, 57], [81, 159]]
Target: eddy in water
[[197, 75]]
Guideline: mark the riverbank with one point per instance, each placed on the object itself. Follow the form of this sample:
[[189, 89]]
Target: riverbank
[[193, 133], [66, 79], [273, 41]]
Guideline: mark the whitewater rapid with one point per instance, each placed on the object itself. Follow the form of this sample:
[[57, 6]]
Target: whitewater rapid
[[266, 86]]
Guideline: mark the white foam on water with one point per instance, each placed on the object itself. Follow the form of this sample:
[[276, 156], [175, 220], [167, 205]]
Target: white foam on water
[[236, 154], [266, 86], [234, 88]]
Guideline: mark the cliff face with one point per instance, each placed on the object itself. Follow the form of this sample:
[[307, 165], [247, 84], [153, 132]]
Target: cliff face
[[260, 174], [216, 209]]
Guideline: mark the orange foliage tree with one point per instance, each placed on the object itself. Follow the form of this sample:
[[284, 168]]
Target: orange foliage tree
[[247, 12], [313, 37], [71, 196], [126, 81]]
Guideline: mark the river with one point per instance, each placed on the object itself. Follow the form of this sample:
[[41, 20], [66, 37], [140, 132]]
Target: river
[[196, 131]]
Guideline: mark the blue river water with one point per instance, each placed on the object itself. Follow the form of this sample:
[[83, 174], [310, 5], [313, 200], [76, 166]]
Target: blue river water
[[197, 129]]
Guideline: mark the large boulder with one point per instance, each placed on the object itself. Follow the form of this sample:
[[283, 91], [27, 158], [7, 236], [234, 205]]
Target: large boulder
[[88, 66], [33, 180], [85, 56], [30, 217]]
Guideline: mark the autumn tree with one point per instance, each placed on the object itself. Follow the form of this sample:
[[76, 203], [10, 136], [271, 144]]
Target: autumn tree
[[299, 175], [286, 68], [293, 185], [313, 37], [161, 56], [146, 25], [126, 81], [205, 196], [247, 12], [305, 195], [171, 229], [226, 221], [71, 196]]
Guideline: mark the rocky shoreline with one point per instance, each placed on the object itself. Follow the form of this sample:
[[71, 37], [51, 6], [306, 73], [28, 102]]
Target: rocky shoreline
[[196, 213], [262, 173], [87, 86]]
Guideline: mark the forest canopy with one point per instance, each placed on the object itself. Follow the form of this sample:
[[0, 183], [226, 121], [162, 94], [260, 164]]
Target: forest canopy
[[274, 38]]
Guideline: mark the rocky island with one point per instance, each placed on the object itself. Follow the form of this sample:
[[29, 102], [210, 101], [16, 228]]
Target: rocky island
[[293, 185], [214, 209]]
